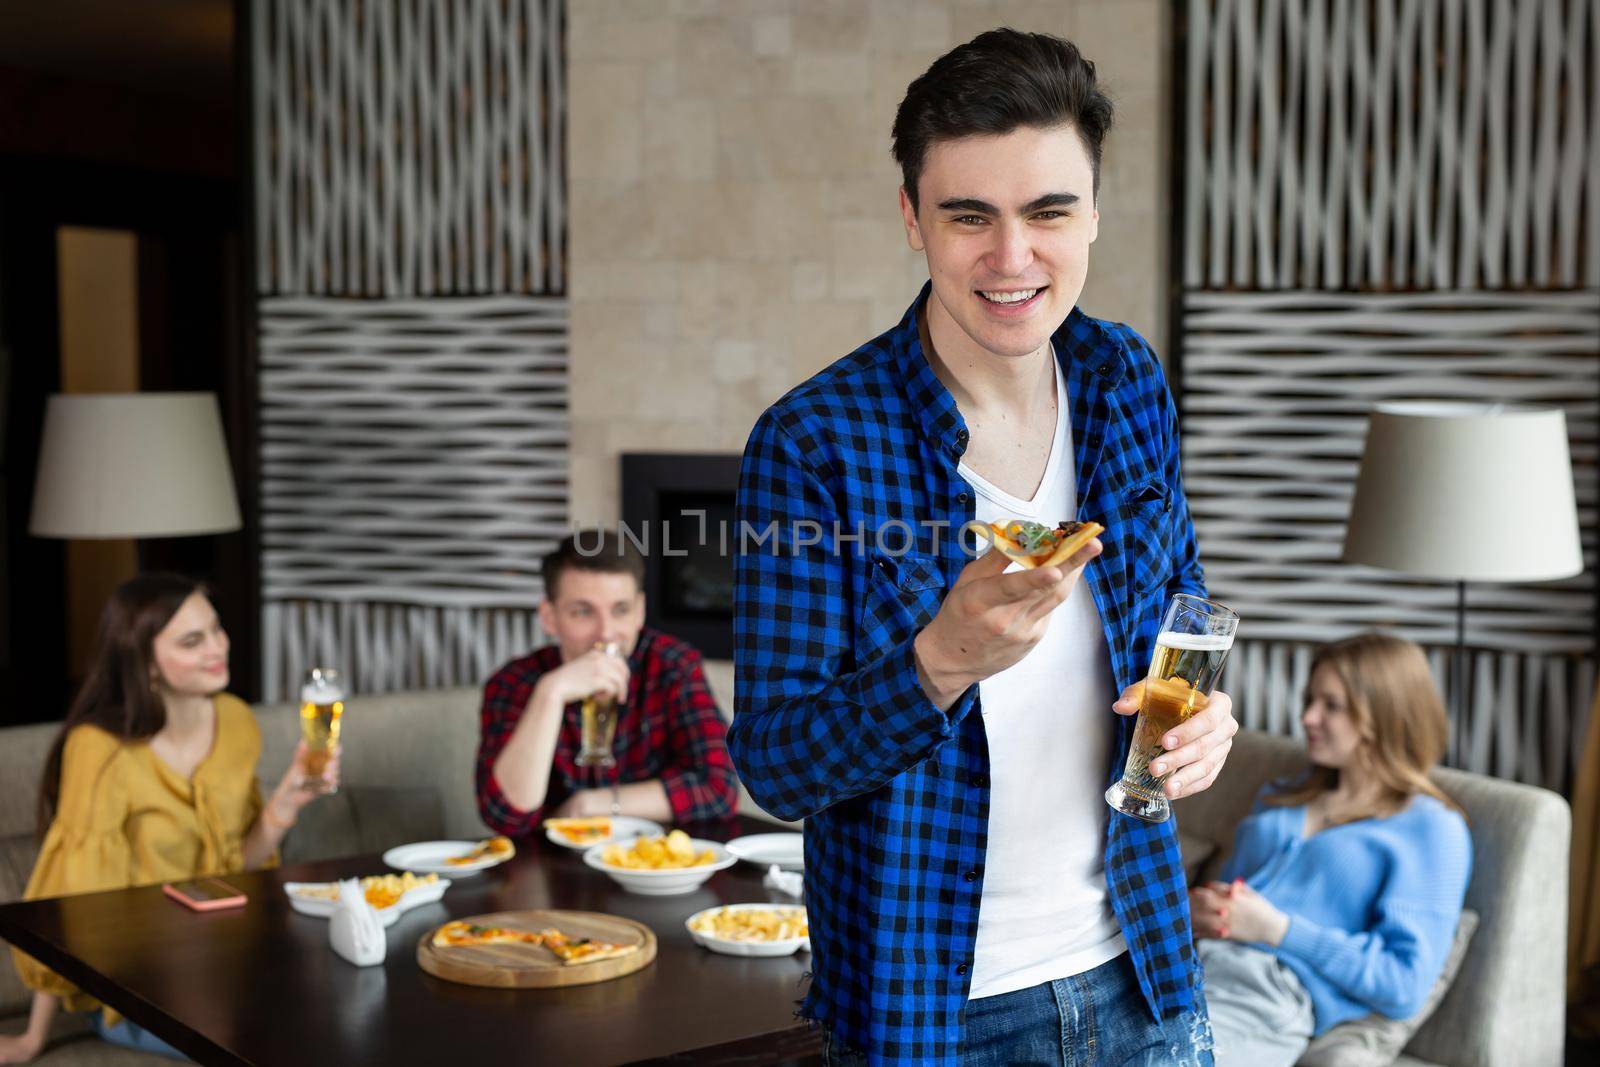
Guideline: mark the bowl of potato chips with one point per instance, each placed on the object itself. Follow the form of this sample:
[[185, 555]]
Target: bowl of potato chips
[[752, 929], [658, 865]]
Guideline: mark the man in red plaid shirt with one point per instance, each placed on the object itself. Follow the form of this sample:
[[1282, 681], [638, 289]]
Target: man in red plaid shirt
[[671, 743]]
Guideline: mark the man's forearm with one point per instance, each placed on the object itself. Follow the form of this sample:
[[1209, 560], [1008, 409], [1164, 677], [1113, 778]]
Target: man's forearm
[[522, 770], [943, 683]]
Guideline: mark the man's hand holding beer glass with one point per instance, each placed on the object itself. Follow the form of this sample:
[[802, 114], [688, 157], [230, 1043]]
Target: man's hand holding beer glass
[[1196, 748], [990, 620], [595, 673]]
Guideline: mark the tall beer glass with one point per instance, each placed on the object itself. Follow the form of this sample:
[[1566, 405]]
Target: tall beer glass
[[599, 711], [1195, 637], [321, 708]]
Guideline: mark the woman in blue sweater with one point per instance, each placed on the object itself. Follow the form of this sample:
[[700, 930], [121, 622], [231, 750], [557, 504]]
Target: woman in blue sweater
[[1344, 886]]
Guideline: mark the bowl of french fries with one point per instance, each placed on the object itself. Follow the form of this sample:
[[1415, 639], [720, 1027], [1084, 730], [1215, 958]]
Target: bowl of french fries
[[660, 865], [752, 929]]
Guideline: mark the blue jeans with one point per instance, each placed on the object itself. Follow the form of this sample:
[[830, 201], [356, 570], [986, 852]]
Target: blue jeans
[[1094, 1019], [131, 1035]]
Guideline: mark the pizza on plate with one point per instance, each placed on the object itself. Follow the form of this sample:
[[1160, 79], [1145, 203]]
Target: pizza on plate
[[496, 848], [581, 831]]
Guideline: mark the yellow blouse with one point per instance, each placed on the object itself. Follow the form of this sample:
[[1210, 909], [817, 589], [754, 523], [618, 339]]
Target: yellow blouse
[[125, 818]]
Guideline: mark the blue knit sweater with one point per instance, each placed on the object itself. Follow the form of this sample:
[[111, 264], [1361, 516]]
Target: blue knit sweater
[[1372, 904]]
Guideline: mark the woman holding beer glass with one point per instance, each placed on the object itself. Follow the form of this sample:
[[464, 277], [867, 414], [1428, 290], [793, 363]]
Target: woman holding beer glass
[[152, 779], [1344, 887]]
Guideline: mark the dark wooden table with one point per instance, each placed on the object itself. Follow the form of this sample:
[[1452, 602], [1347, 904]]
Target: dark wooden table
[[259, 984]]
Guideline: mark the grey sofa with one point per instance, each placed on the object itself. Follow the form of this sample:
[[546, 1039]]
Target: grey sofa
[[408, 776], [1507, 1006]]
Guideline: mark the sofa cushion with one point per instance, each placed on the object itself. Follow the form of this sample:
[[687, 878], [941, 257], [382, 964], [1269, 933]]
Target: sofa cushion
[[17, 854], [1376, 1040], [364, 818]]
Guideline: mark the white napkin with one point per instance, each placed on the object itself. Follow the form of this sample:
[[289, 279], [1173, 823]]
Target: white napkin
[[790, 882], [354, 930]]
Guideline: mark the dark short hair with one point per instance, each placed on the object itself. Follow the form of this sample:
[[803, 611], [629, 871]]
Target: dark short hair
[[996, 82], [596, 551]]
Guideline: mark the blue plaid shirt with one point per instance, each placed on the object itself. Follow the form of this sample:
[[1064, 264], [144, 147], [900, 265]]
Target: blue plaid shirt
[[832, 724]]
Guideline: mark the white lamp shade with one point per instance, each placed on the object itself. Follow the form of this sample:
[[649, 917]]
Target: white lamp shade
[[133, 465], [1468, 492]]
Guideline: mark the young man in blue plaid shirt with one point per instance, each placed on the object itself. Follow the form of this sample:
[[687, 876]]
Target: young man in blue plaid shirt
[[945, 727]]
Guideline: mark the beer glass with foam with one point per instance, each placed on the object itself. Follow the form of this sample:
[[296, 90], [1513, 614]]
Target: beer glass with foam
[[321, 707], [1191, 649], [599, 721]]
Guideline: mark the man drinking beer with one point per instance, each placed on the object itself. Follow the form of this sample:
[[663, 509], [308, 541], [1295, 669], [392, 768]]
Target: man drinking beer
[[667, 744], [946, 729]]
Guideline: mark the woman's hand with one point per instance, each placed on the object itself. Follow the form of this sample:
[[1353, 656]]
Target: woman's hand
[[299, 785], [1236, 912], [19, 1048]]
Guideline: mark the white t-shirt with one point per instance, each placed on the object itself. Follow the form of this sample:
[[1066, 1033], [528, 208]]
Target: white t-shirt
[[1044, 913]]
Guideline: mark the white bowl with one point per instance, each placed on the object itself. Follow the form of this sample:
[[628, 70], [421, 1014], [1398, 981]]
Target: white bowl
[[433, 857], [787, 850], [323, 908], [786, 947], [666, 882]]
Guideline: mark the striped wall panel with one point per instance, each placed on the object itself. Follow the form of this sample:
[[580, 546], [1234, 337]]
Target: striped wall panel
[[1385, 200], [411, 234], [393, 646], [407, 147], [1392, 144], [1276, 391], [413, 453]]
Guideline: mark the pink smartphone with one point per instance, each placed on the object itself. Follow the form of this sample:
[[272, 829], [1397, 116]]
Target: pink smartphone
[[204, 894]]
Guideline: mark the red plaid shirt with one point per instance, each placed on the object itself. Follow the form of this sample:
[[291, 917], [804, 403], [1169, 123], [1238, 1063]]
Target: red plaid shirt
[[670, 729]]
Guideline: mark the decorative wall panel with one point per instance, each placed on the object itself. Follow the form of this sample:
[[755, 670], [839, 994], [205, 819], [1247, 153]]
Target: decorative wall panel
[[411, 240], [1387, 200]]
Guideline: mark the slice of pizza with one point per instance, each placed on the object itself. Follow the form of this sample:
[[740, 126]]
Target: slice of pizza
[[574, 950], [1033, 544], [459, 934], [581, 831], [496, 848]]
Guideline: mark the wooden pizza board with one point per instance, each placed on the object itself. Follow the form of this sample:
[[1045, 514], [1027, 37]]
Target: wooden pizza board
[[534, 966]]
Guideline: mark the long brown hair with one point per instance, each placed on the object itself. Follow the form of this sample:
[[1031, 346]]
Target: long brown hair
[[118, 695], [1398, 714]]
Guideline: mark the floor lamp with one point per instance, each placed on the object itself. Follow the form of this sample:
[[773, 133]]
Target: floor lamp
[[1466, 493], [129, 466]]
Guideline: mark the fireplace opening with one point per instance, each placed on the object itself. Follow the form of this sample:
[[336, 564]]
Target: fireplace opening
[[679, 508]]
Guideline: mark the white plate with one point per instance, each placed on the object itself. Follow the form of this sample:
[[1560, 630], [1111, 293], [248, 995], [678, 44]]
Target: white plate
[[668, 882], [429, 857], [623, 828], [786, 947], [788, 851], [321, 908]]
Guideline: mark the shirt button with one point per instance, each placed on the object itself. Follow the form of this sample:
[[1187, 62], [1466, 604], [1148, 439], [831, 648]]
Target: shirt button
[[961, 968], [980, 780], [961, 438], [971, 876], [962, 498]]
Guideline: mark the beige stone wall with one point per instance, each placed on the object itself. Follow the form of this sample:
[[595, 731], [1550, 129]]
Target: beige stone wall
[[734, 224]]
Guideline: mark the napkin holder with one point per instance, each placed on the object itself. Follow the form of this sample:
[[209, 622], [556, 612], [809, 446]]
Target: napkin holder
[[354, 930]]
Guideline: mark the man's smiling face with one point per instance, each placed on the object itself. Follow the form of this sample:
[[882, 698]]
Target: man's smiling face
[[1006, 222]]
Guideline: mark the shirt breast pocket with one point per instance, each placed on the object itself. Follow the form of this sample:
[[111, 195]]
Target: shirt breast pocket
[[903, 595], [1145, 515]]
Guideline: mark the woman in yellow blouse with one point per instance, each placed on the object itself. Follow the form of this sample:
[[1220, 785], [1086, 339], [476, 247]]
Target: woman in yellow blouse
[[152, 779]]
